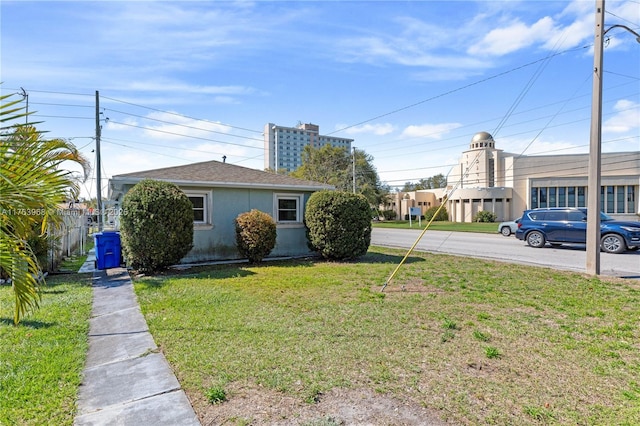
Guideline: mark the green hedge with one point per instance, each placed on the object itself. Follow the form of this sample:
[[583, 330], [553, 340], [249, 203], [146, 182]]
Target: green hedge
[[338, 224], [442, 215], [255, 235], [156, 225]]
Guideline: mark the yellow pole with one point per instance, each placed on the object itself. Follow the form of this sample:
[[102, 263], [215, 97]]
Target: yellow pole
[[412, 247]]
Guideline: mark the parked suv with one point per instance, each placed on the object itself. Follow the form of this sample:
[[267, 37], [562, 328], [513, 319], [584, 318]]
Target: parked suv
[[569, 226]]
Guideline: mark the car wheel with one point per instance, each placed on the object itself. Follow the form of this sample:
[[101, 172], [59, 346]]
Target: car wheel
[[535, 239], [612, 243], [506, 231]]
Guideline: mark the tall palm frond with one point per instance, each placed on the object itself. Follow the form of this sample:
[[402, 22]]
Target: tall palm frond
[[32, 186]]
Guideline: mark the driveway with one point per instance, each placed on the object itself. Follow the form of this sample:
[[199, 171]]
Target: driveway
[[507, 249]]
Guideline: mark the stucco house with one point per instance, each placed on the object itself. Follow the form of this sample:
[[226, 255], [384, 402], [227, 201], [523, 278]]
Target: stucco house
[[220, 192]]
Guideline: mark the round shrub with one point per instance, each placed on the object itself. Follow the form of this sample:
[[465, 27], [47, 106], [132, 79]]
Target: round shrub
[[338, 224], [441, 216], [485, 216], [255, 235], [156, 225], [389, 214]]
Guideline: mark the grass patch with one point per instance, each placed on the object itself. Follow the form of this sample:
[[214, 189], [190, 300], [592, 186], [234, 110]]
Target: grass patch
[[75, 262], [216, 395], [482, 227], [41, 359], [479, 335], [568, 342], [492, 352]]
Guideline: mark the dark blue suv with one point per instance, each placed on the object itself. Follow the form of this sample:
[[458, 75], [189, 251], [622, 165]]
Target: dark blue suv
[[569, 226]]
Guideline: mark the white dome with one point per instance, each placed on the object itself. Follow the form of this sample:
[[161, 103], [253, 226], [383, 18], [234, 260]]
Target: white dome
[[482, 140]]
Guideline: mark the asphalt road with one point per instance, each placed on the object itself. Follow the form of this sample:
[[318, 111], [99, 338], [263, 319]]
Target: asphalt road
[[507, 249]]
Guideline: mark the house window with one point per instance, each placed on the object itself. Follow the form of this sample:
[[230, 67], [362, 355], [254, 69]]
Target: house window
[[288, 208], [199, 202]]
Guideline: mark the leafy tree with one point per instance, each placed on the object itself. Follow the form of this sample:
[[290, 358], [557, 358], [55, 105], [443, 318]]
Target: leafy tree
[[156, 225], [434, 182], [32, 185], [255, 235], [334, 166], [408, 187], [338, 224], [438, 181], [327, 164]]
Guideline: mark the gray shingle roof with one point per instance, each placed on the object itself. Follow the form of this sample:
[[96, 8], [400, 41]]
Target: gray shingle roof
[[221, 174]]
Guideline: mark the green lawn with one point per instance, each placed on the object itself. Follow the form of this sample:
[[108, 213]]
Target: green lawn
[[483, 227], [41, 360], [482, 342]]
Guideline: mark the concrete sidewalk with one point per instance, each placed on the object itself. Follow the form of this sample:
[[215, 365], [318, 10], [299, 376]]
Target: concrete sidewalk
[[89, 262], [126, 380]]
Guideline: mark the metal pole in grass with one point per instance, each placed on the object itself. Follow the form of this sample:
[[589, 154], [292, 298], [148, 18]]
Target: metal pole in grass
[[413, 246], [448, 197]]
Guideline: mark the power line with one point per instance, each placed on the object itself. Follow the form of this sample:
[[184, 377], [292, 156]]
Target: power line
[[179, 115], [151, 129], [475, 83], [169, 147], [484, 122], [187, 126]]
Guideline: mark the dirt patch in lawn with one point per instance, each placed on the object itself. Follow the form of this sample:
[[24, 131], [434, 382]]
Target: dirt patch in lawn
[[257, 406]]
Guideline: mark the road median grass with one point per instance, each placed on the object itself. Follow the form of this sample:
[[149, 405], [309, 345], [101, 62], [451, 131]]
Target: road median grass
[[482, 227], [480, 342]]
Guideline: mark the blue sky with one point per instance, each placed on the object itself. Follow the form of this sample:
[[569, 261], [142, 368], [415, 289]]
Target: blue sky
[[411, 82]]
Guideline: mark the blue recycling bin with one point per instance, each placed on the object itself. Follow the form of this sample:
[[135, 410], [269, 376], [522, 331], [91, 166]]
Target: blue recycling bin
[[108, 251]]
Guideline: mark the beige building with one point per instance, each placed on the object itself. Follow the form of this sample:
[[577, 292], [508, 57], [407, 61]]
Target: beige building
[[489, 179]]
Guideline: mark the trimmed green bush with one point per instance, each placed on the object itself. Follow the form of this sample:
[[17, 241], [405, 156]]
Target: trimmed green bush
[[156, 226], [338, 224], [485, 216], [255, 235], [389, 214], [441, 216]]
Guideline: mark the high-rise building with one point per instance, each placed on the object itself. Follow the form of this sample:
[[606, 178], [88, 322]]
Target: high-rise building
[[283, 146]]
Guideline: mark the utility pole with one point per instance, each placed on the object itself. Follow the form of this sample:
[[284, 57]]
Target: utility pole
[[595, 144], [595, 150], [25, 96], [98, 164]]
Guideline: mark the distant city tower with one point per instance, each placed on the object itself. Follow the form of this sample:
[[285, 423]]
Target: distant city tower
[[283, 146]]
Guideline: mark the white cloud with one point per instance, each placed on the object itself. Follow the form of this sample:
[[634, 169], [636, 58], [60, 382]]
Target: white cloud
[[542, 147], [626, 118], [214, 151], [516, 36], [123, 161], [176, 86], [126, 125], [432, 131], [167, 125], [379, 129]]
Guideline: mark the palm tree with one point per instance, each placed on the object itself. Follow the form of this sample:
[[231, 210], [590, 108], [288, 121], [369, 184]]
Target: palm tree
[[32, 185]]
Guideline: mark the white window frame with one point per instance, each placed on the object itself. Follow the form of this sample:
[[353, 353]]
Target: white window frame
[[299, 198], [205, 206]]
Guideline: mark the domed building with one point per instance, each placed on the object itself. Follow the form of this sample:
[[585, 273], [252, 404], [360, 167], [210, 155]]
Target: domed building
[[490, 179], [483, 180]]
